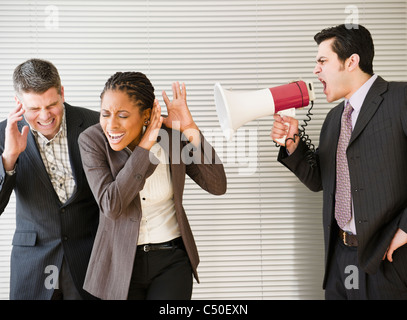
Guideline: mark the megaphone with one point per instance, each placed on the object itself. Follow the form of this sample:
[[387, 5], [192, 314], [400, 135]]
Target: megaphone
[[235, 109]]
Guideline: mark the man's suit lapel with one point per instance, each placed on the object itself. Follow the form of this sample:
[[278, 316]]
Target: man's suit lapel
[[74, 129], [34, 156], [372, 102], [332, 137], [336, 120]]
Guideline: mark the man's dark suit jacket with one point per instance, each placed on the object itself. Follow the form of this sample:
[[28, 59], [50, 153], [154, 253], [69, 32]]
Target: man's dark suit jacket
[[47, 230], [377, 157]]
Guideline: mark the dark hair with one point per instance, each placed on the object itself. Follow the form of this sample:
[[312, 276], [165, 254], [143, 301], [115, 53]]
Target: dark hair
[[137, 86], [36, 75], [350, 39]]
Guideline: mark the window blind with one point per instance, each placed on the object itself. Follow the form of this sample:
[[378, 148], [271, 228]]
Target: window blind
[[263, 238]]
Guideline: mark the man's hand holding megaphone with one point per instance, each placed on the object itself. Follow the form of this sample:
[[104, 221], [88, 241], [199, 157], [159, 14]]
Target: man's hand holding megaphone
[[286, 127]]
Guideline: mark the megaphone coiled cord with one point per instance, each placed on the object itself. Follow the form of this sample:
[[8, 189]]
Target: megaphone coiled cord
[[309, 155]]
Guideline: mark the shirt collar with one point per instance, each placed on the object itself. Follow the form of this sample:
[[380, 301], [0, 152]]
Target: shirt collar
[[356, 100]]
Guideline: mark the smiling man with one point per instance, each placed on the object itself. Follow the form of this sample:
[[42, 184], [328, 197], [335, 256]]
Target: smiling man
[[360, 166], [56, 214], [43, 112]]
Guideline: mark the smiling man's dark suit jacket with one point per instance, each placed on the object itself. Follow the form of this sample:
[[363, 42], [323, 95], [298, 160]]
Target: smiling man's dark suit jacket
[[46, 230], [377, 157]]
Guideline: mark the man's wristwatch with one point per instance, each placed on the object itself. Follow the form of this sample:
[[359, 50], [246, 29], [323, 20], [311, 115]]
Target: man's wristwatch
[[12, 172]]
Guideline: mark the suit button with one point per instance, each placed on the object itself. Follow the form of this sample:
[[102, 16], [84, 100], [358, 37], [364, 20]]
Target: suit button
[[65, 238], [138, 177]]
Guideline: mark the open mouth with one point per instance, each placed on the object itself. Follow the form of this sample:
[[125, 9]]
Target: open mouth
[[46, 124], [324, 84], [115, 137]]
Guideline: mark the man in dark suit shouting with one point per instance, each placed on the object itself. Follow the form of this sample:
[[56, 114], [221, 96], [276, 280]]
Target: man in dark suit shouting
[[56, 214], [361, 167]]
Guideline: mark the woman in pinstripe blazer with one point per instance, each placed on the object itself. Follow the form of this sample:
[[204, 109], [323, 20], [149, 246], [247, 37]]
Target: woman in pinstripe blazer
[[136, 164]]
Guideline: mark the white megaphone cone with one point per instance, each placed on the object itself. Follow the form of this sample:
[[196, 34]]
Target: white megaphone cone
[[234, 109]]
